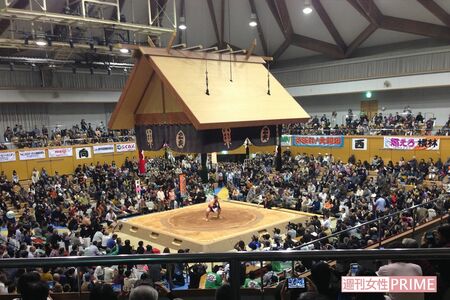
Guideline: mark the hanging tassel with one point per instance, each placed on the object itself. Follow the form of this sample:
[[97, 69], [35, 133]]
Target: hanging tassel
[[206, 78], [231, 69], [268, 78]]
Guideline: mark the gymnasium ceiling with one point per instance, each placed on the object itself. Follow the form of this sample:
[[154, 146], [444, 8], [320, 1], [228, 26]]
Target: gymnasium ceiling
[[334, 30]]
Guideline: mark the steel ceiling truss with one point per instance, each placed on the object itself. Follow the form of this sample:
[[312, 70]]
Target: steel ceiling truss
[[36, 11]]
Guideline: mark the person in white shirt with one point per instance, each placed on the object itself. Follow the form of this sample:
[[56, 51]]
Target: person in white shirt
[[35, 176], [402, 269], [98, 236], [160, 195], [99, 273], [110, 217], [92, 250], [326, 223]]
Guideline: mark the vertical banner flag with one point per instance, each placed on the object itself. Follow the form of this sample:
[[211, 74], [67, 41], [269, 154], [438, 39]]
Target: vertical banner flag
[[183, 190]]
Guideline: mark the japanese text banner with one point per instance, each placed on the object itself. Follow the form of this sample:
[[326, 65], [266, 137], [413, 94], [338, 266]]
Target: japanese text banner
[[411, 143], [335, 141]]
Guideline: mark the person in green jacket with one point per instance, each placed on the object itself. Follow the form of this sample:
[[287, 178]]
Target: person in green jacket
[[213, 279], [252, 282]]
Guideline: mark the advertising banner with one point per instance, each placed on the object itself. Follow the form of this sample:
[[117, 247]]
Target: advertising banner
[[103, 149], [127, 147], [7, 156], [83, 152], [286, 140], [334, 141], [411, 143], [32, 154], [60, 152]]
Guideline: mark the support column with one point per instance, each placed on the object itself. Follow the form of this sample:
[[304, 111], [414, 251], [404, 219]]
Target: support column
[[204, 171], [278, 163]]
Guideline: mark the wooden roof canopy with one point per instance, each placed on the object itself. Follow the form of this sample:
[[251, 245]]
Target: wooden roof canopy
[[170, 88]]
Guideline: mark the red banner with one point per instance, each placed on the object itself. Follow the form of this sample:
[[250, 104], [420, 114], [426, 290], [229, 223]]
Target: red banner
[[183, 191]]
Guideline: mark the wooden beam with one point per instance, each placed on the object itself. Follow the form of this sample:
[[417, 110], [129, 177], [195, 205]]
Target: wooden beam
[[317, 45], [222, 24], [250, 49], [436, 10], [358, 7], [273, 9], [262, 39], [287, 42], [364, 35], [415, 27], [329, 24], [285, 19], [181, 14], [372, 11], [213, 20], [147, 51], [170, 43]]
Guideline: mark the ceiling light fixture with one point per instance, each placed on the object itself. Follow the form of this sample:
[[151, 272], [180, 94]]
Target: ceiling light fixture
[[124, 50], [253, 22], [307, 7], [41, 42], [182, 25]]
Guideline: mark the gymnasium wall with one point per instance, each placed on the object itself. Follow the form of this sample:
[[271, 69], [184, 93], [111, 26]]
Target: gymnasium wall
[[62, 165], [63, 115], [66, 165], [430, 101]]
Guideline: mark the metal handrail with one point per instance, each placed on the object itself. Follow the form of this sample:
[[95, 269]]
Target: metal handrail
[[235, 259], [371, 222], [286, 255]]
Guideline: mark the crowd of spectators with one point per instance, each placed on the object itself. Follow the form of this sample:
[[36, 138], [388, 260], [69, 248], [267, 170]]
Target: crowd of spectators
[[75, 215], [404, 123], [83, 133]]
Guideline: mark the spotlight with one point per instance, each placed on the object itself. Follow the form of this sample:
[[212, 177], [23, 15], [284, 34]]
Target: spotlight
[[125, 71], [74, 70], [109, 71], [253, 22], [91, 70], [71, 43], [26, 39], [124, 50], [110, 46], [41, 42], [182, 25], [307, 7], [49, 41], [33, 67], [11, 66], [91, 44], [368, 94]]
